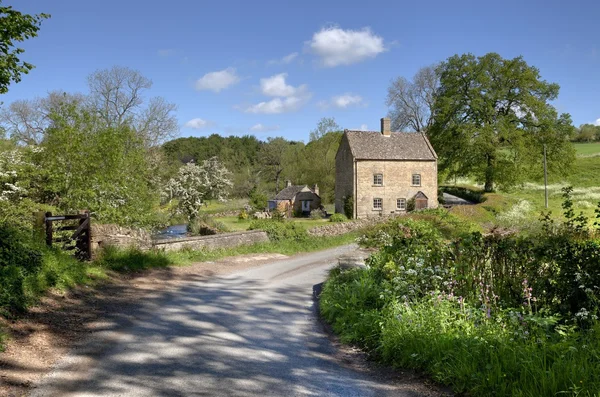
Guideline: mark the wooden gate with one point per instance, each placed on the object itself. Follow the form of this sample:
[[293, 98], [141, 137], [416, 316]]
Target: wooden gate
[[72, 231]]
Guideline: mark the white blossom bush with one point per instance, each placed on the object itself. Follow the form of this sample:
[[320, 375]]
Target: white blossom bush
[[193, 184]]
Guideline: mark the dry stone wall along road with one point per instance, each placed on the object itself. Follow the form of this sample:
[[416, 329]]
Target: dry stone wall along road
[[252, 333]]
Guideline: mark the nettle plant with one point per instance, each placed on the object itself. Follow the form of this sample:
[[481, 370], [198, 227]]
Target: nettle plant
[[193, 184]]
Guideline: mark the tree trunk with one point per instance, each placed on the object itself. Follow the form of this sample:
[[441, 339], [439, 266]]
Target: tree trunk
[[277, 173], [489, 173]]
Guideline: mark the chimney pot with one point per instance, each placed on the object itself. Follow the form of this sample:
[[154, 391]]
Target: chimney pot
[[288, 183], [316, 189], [385, 126]]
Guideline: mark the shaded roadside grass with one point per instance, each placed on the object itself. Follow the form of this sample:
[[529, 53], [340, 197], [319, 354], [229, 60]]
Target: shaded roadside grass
[[136, 260]]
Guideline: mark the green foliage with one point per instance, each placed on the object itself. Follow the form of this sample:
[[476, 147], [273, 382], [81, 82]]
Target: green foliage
[[105, 170], [27, 270], [492, 117], [587, 133], [280, 230], [16, 27], [338, 218], [349, 207], [240, 155], [258, 200], [488, 314], [411, 204], [18, 259]]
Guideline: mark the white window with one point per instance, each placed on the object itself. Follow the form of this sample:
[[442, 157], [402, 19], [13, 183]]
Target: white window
[[377, 204], [378, 179], [416, 180], [401, 204]]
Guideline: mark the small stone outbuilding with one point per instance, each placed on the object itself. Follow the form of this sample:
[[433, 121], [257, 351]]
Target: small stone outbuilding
[[381, 171], [296, 200]]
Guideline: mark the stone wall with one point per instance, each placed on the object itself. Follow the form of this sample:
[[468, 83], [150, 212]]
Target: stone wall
[[338, 228], [123, 237], [225, 240], [117, 236]]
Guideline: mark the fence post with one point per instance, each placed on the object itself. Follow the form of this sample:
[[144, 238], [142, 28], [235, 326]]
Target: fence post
[[39, 225], [48, 229], [83, 242]]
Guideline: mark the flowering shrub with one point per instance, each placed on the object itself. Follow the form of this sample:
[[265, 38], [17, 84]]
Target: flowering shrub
[[194, 183]]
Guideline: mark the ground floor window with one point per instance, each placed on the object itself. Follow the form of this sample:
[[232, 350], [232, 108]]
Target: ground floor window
[[377, 204], [401, 204]]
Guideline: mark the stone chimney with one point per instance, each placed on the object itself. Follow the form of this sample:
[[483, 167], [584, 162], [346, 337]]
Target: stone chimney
[[316, 189], [385, 126], [288, 183]]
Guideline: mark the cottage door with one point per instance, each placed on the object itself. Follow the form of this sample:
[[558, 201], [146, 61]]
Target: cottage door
[[305, 206]]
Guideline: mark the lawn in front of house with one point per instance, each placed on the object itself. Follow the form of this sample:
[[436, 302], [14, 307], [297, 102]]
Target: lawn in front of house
[[236, 225]]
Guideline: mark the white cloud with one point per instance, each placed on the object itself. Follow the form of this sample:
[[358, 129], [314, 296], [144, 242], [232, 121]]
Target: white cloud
[[197, 124], [217, 81], [285, 60], [597, 122], [264, 128], [276, 86], [336, 46], [342, 101], [363, 127], [279, 105]]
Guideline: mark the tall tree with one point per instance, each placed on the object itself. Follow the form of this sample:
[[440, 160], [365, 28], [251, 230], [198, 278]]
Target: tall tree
[[118, 95], [273, 153], [411, 102], [15, 27], [492, 117], [324, 126]]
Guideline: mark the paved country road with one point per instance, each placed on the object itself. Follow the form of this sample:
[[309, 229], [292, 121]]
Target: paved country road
[[251, 333]]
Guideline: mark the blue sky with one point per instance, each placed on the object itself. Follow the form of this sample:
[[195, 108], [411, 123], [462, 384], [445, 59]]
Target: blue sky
[[275, 68]]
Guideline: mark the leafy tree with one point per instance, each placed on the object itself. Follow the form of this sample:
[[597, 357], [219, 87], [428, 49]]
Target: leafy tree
[[587, 133], [411, 102], [15, 27], [492, 117], [85, 165], [273, 154], [324, 126]]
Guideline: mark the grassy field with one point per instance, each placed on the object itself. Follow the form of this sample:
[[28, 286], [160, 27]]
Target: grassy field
[[234, 224], [518, 206], [587, 149]]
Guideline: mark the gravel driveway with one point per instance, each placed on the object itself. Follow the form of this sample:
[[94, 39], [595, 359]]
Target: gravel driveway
[[250, 333]]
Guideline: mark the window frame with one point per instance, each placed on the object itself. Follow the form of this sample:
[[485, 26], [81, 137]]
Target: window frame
[[375, 177], [412, 181], [403, 201], [380, 208]]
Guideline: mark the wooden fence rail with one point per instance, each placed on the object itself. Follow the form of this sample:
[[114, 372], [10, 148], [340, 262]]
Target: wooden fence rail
[[79, 240]]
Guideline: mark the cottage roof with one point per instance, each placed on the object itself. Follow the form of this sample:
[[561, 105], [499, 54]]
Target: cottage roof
[[289, 192], [306, 196], [373, 145]]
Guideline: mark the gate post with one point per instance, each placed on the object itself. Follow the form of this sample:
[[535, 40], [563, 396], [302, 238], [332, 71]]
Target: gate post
[[48, 229]]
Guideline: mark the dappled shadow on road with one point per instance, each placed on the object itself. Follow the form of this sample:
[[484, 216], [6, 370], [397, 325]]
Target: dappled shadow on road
[[217, 337]]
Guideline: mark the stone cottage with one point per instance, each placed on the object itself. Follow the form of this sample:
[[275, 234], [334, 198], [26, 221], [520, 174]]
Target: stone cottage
[[296, 199], [382, 171]]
